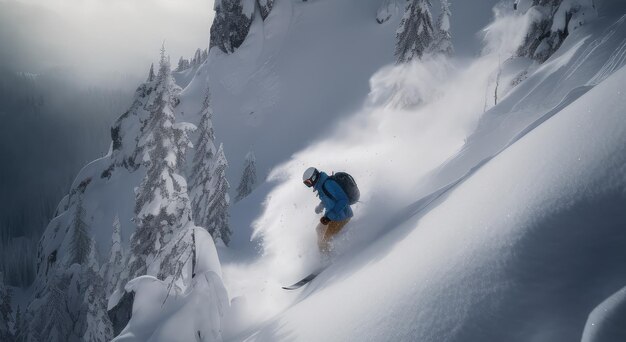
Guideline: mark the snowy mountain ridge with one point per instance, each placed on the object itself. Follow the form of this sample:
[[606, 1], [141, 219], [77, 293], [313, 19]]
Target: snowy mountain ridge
[[137, 196]]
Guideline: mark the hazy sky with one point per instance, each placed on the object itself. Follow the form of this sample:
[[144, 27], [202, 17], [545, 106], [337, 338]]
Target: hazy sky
[[113, 37], [97, 37]]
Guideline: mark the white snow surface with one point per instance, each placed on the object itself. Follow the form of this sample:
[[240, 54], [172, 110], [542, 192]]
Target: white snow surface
[[476, 263], [162, 311], [495, 226], [163, 315]]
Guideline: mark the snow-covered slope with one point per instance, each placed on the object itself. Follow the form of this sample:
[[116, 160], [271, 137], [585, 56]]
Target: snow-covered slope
[[304, 67], [511, 221], [522, 250]]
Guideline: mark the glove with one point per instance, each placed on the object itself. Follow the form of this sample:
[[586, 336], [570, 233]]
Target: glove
[[319, 208], [324, 220]]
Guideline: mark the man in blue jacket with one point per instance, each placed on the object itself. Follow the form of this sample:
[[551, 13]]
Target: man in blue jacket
[[335, 203]]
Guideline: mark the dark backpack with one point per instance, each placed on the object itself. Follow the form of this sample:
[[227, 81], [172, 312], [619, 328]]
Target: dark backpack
[[347, 184]]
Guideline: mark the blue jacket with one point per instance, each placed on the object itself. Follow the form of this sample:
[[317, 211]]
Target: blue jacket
[[336, 205]]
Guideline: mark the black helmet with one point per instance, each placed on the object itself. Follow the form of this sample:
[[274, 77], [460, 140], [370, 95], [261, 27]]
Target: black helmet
[[310, 176]]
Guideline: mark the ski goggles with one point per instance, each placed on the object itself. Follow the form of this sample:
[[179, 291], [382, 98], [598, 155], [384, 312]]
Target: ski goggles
[[308, 182]]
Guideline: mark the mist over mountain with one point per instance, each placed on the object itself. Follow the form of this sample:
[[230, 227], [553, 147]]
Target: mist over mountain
[[67, 70], [98, 40], [52, 127]]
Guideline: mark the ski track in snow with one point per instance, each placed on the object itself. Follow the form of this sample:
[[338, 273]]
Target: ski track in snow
[[598, 44], [615, 62], [422, 203]]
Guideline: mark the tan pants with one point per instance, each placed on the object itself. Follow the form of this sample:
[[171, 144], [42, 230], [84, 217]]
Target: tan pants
[[325, 233]]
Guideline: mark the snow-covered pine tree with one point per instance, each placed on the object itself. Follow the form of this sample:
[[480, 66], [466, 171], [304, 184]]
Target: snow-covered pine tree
[[200, 56], [80, 245], [266, 7], [115, 265], [202, 162], [231, 24], [6, 312], [58, 310], [219, 200], [88, 305], [162, 207], [210, 199], [161, 203], [443, 41], [415, 34], [19, 324], [552, 21], [49, 317], [197, 57], [248, 178], [151, 73], [93, 315], [183, 64]]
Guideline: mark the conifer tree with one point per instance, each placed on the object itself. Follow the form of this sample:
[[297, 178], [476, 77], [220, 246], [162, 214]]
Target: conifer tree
[[230, 25], [116, 258], [52, 320], [266, 7], [219, 200], [202, 162], [94, 319], [57, 313], [415, 34], [197, 58], [548, 30], [151, 73], [80, 240], [443, 42], [6, 312], [19, 324], [89, 303], [161, 202], [248, 179]]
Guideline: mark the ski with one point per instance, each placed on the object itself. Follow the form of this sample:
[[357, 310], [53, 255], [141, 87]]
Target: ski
[[304, 280]]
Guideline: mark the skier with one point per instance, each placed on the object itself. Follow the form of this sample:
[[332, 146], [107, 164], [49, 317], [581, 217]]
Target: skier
[[334, 200]]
